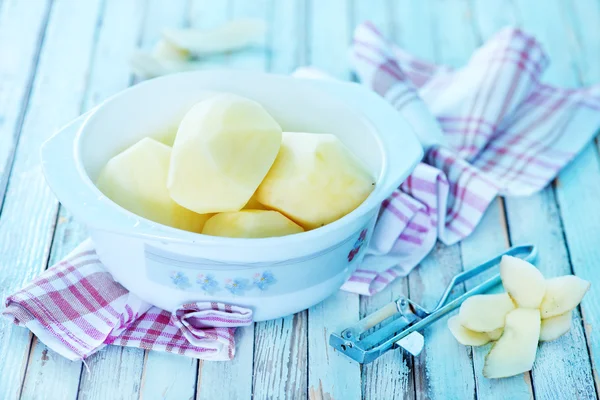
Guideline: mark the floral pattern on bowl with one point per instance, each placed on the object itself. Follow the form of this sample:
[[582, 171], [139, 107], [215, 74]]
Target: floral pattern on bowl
[[208, 283], [264, 280], [357, 245], [237, 286], [180, 280]]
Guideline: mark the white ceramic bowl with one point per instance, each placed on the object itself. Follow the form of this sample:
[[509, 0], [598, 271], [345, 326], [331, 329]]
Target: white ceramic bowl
[[273, 276]]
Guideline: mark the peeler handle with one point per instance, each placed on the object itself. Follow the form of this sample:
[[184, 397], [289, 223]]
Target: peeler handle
[[527, 252]]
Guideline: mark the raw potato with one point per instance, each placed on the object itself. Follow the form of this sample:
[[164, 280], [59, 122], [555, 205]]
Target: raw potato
[[315, 180], [136, 179], [485, 312], [555, 327], [523, 282], [563, 294], [514, 353], [253, 204], [233, 35], [224, 147], [466, 336], [496, 333], [250, 224], [165, 50]]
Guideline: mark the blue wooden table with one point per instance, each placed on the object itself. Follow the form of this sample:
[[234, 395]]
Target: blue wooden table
[[59, 58]]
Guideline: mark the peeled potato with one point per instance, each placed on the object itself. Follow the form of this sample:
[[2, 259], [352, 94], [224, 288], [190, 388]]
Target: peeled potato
[[224, 147], [253, 204], [315, 180], [136, 179], [555, 327], [563, 294], [485, 312], [250, 224], [466, 336], [495, 334], [514, 353], [523, 282], [166, 50]]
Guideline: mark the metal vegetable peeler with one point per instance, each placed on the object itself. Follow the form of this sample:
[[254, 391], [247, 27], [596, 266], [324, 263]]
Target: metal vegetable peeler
[[364, 344]]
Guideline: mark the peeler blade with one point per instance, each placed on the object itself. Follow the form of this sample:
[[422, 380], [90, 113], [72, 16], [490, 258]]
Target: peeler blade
[[412, 343]]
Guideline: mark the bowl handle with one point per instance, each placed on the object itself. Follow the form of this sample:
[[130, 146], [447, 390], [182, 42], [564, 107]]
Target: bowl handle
[[79, 194], [408, 130]]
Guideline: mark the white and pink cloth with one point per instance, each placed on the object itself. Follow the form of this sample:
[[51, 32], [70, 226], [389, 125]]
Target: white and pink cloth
[[506, 133]]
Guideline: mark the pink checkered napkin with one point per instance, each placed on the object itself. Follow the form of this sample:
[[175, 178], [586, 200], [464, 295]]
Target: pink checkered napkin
[[506, 132], [76, 308]]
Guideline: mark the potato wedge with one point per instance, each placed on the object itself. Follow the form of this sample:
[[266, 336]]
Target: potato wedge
[[485, 312], [315, 180], [555, 327], [514, 353], [523, 282], [563, 294], [224, 147], [250, 224], [136, 179], [466, 336]]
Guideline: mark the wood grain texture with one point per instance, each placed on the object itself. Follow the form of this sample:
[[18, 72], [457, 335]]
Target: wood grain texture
[[332, 375], [391, 375], [491, 235], [29, 212], [289, 357], [121, 22], [436, 377], [543, 228], [280, 358], [280, 346], [212, 375], [578, 185], [562, 368], [22, 27], [164, 375]]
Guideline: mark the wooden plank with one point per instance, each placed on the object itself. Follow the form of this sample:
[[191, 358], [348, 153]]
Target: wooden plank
[[280, 346], [168, 376], [562, 369], [164, 375], [280, 358], [22, 27], [29, 212], [212, 375], [331, 375], [393, 375], [491, 236], [536, 220], [118, 37], [390, 376], [579, 182], [287, 37], [444, 367]]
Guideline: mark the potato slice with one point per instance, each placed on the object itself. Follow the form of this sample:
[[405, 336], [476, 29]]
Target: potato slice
[[514, 353], [555, 327], [563, 294], [466, 336], [136, 179], [523, 282], [165, 50], [231, 36], [315, 180], [224, 147], [495, 334], [250, 224], [485, 312]]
